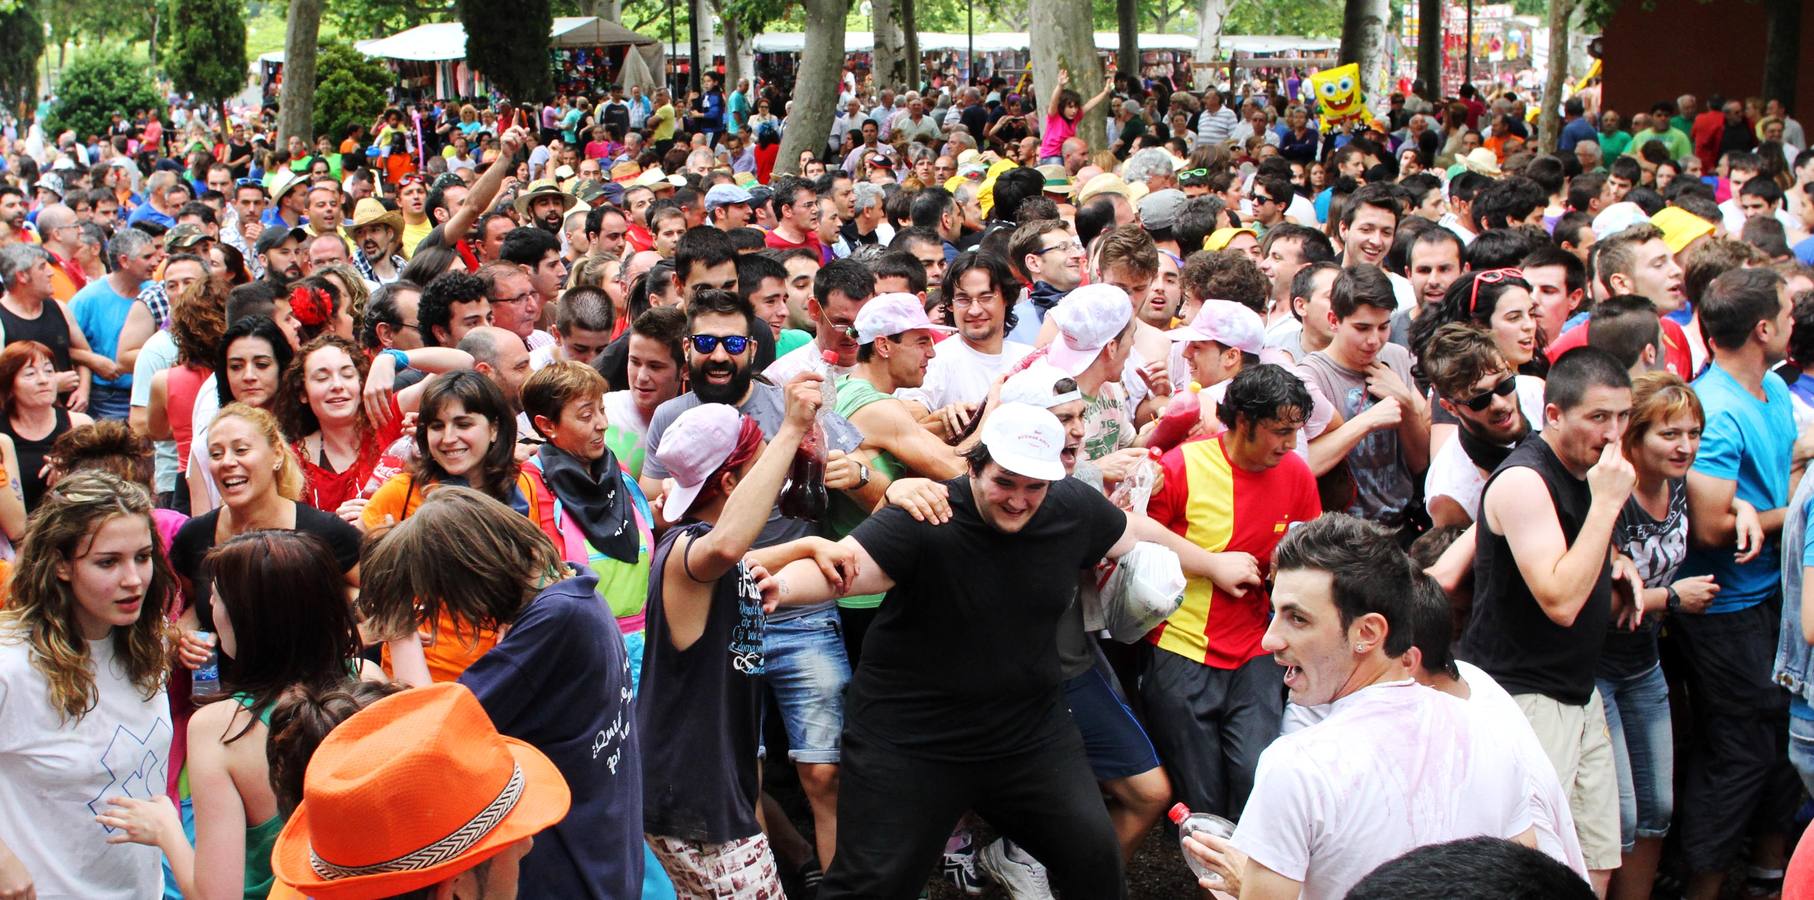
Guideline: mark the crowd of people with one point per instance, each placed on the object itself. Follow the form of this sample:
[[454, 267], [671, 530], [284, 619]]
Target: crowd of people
[[503, 502]]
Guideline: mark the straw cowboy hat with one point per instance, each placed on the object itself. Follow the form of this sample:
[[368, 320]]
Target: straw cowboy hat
[[411, 791], [285, 182], [369, 211], [543, 188]]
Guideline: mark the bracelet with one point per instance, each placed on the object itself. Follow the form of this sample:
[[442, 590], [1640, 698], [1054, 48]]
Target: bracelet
[[398, 357], [862, 476], [1675, 599]]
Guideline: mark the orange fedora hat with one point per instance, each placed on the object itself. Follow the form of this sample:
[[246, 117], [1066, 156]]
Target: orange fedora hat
[[411, 791]]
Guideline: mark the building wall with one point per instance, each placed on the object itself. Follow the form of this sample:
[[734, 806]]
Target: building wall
[[1694, 47]]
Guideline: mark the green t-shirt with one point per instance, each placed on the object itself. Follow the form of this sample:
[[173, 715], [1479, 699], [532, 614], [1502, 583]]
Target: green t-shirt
[[791, 339], [846, 514], [1612, 146], [1674, 141]]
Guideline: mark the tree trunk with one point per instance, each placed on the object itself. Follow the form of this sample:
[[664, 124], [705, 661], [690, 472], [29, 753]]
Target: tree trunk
[[1364, 36], [1127, 26], [914, 64], [816, 83], [153, 43], [890, 59], [699, 37], [1209, 42], [733, 63], [296, 105], [1062, 39], [1782, 50], [1549, 123], [1429, 47]]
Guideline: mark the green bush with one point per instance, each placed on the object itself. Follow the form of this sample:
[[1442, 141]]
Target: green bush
[[349, 89], [98, 84]]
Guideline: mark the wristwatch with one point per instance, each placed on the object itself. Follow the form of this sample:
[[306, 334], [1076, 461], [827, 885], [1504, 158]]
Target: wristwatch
[[1675, 599], [862, 476]]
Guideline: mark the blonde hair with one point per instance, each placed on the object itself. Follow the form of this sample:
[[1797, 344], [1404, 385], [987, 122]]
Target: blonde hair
[[1657, 397], [463, 555], [42, 606], [353, 293], [289, 471]]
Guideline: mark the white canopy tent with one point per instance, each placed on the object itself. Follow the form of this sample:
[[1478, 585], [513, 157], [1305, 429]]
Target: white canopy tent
[[999, 41]]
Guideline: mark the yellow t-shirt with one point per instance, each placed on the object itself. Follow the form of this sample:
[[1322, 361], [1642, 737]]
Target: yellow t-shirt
[[413, 235], [664, 123]]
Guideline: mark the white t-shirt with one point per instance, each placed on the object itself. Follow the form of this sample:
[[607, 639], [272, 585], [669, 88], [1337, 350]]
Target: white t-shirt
[[207, 406], [1455, 476], [58, 776], [158, 354], [1402, 292], [800, 359], [1393, 767], [959, 373], [1554, 824]]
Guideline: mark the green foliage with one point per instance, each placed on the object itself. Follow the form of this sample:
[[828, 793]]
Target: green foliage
[[19, 52], [753, 16], [1311, 18], [208, 48], [98, 84], [378, 18], [349, 89], [507, 40]]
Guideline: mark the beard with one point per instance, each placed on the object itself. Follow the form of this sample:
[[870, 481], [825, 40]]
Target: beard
[[730, 393]]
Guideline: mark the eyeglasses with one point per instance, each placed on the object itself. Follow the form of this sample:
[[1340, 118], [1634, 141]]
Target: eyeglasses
[[518, 299], [1479, 402], [1194, 173], [706, 343], [1068, 247], [1491, 276]]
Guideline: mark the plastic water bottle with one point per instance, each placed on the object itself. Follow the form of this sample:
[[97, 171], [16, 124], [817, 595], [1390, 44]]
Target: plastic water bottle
[[205, 680], [394, 460], [1190, 823]]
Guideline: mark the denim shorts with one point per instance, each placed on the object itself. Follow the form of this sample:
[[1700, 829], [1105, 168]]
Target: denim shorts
[[1801, 749], [806, 666], [1637, 719]]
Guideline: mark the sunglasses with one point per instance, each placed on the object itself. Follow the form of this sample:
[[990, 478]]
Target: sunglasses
[[1479, 402], [1194, 173], [1491, 276], [408, 180], [706, 343]]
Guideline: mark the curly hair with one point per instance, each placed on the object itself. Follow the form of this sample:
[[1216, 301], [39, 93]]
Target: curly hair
[[301, 721], [353, 292], [42, 608], [292, 407], [198, 321], [107, 445]]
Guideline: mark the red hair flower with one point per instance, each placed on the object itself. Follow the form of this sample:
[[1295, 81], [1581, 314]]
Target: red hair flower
[[311, 306]]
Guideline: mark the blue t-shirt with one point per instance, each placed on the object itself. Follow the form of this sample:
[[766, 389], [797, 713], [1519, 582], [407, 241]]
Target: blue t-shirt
[[1798, 707], [101, 313], [145, 212], [560, 680], [1321, 204], [1747, 441], [1804, 252], [1576, 131]]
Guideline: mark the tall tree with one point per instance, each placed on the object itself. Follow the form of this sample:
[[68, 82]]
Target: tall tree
[[1364, 36], [507, 40], [1209, 41], [890, 53], [296, 104], [1549, 122], [1063, 40], [1429, 45], [1127, 30], [24, 26], [816, 83], [915, 64], [208, 48]]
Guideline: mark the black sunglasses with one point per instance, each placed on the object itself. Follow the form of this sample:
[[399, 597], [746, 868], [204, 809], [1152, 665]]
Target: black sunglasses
[[1479, 402], [706, 343]]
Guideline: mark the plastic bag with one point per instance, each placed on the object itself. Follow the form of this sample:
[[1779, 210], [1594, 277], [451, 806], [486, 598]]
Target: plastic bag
[[1138, 591], [1132, 494]]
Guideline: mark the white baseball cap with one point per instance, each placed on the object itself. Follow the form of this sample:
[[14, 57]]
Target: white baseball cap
[[1088, 318], [890, 314], [1034, 386], [1025, 440], [694, 447], [1618, 217], [1227, 323]]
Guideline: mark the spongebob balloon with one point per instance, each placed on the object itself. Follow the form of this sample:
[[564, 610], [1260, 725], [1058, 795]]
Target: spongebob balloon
[[1338, 93]]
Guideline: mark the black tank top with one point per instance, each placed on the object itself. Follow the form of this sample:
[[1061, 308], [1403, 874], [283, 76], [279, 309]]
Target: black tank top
[[50, 328], [1510, 636], [31, 453], [706, 699]]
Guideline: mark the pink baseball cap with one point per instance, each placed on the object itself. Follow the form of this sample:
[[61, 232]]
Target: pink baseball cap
[[1088, 318], [1227, 323], [890, 314], [694, 447]]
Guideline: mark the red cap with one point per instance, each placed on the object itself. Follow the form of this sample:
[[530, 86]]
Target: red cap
[[1179, 812], [830, 357]]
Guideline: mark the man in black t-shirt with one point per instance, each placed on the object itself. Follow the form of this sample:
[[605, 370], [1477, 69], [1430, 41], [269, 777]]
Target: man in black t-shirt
[[959, 703], [1545, 577]]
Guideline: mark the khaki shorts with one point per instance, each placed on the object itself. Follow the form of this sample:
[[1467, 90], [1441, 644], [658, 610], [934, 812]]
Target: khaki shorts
[[1577, 743]]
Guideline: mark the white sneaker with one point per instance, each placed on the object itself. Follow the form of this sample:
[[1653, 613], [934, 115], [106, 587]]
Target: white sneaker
[[1017, 872], [959, 868]]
